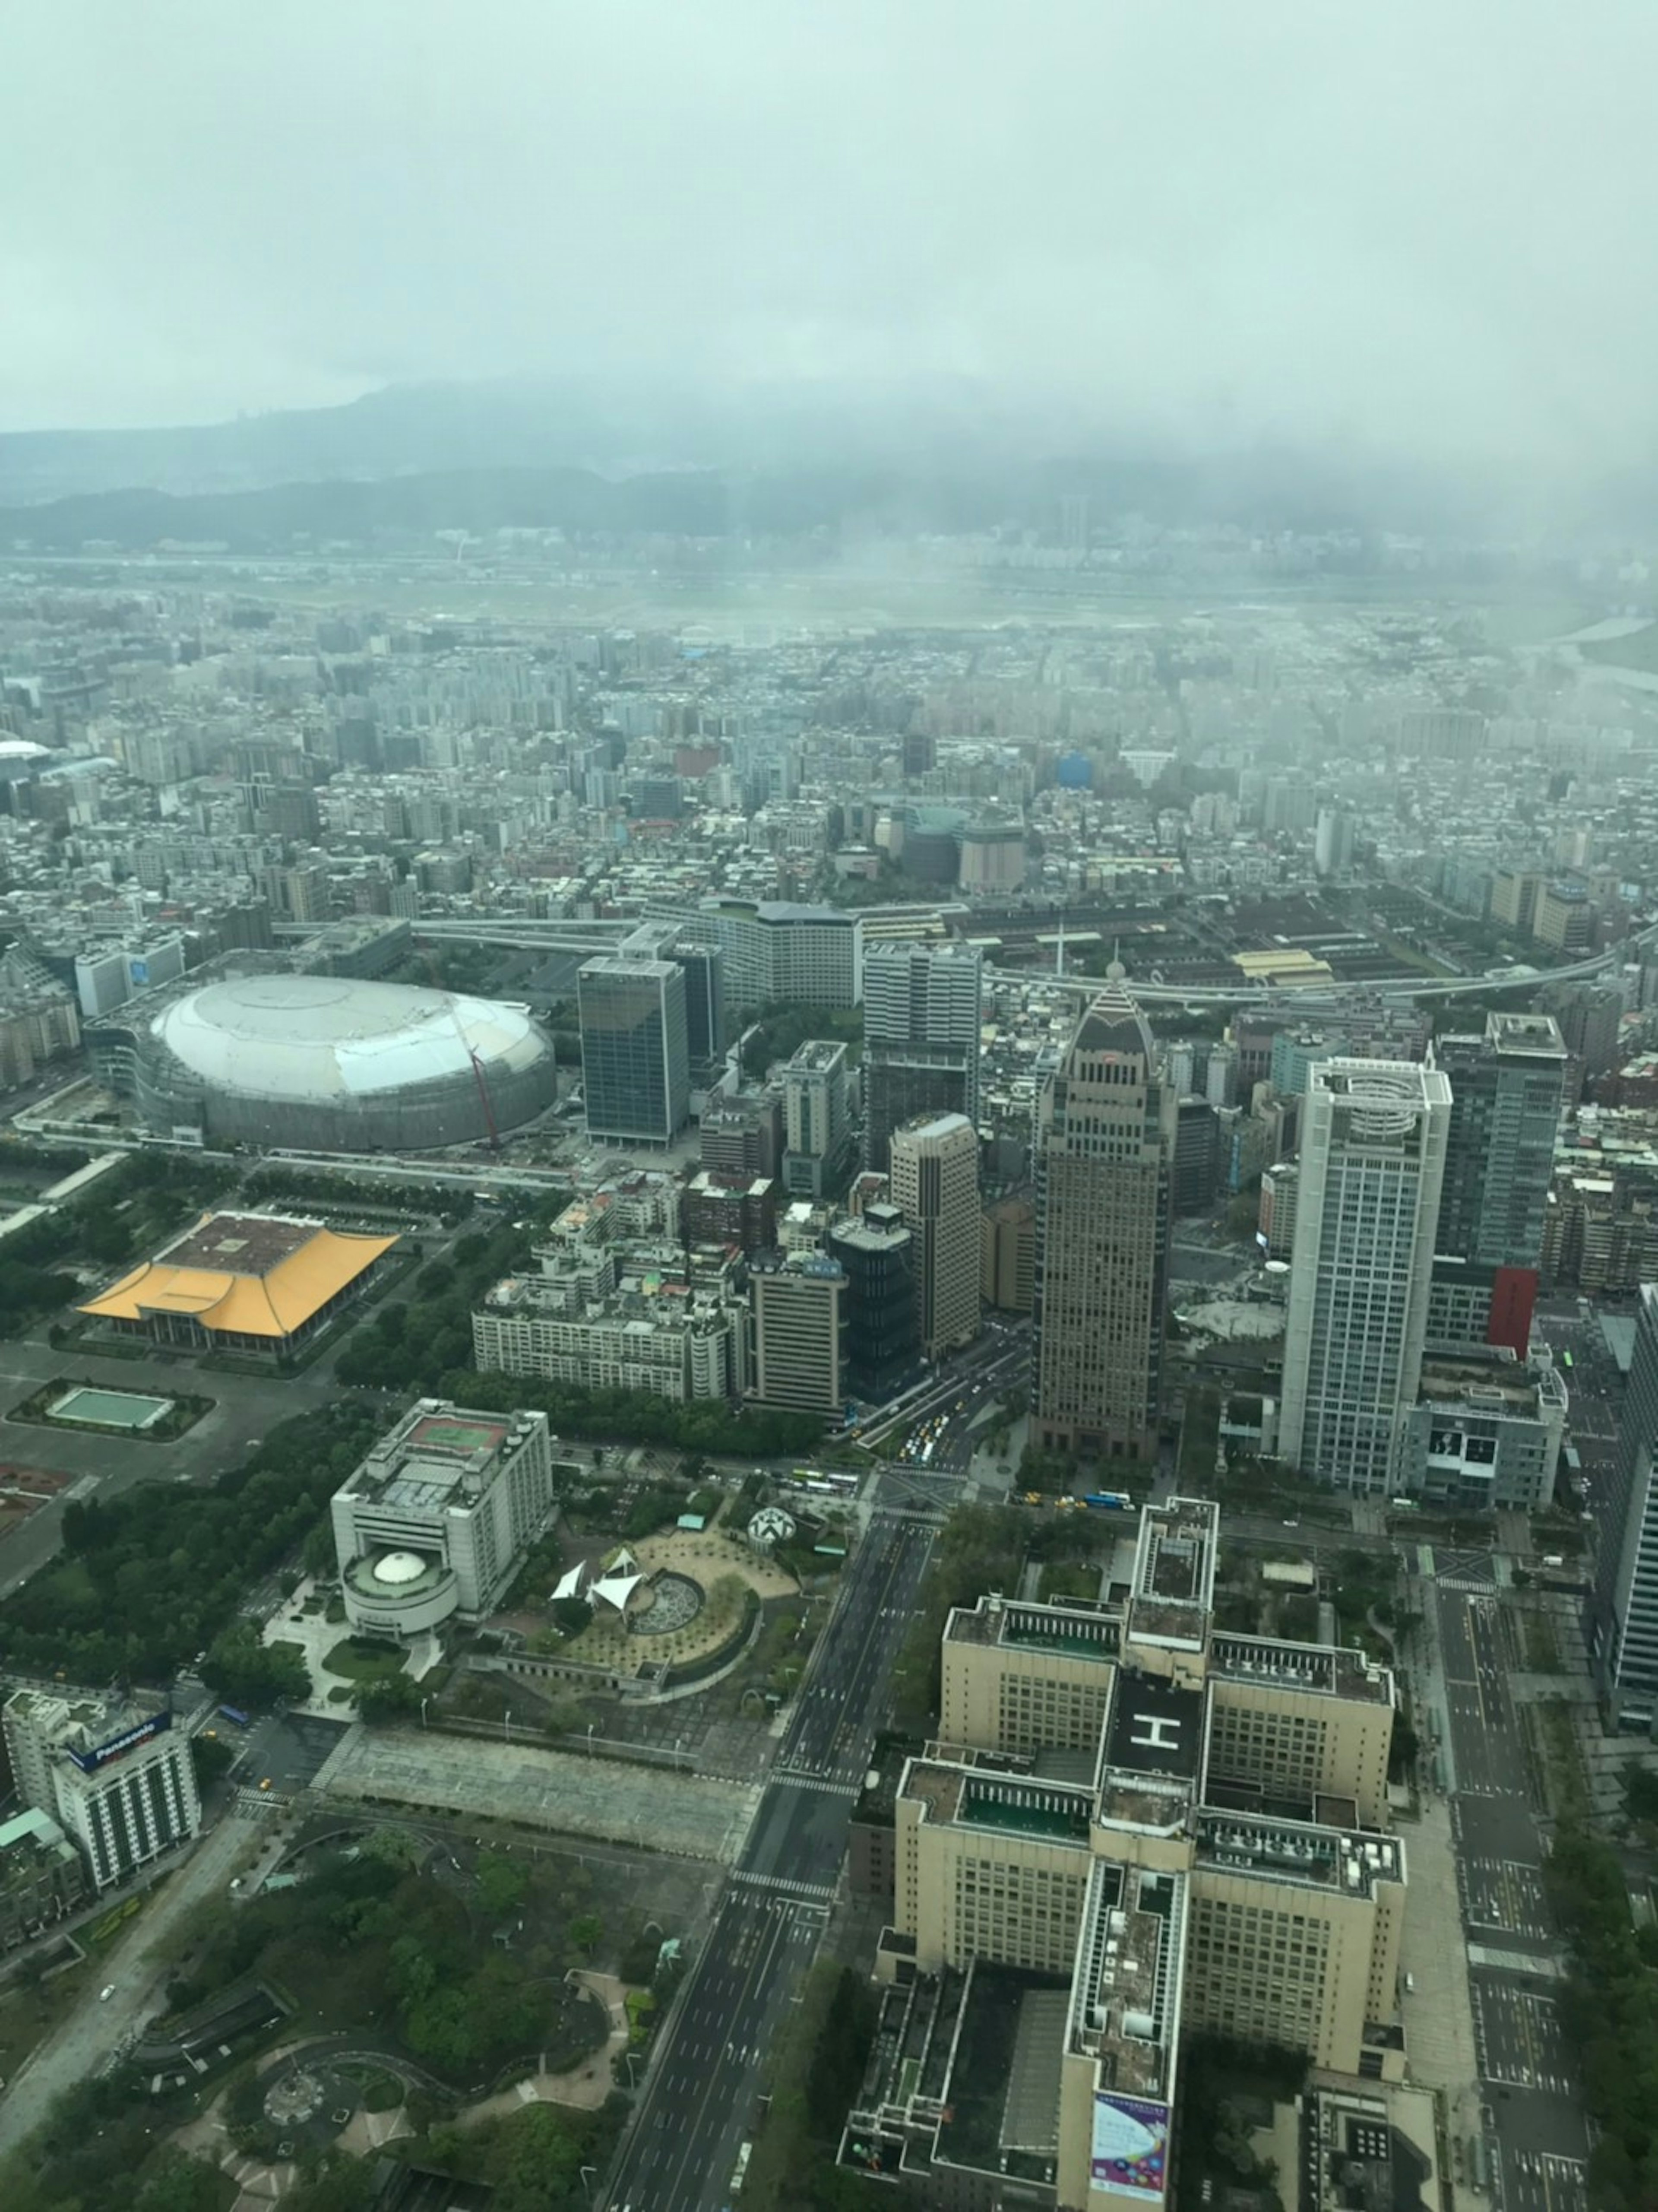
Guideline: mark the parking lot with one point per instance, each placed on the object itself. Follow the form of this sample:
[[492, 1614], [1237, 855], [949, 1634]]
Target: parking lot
[[1503, 1893], [1517, 2031]]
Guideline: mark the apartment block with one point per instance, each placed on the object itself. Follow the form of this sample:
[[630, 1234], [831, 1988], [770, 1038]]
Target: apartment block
[[1131, 1827]]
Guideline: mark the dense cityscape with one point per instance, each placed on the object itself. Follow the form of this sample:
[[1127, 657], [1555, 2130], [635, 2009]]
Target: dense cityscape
[[828, 1108], [880, 1394]]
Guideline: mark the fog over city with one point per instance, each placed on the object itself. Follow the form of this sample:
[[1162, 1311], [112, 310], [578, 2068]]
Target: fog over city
[[828, 1106], [1415, 235]]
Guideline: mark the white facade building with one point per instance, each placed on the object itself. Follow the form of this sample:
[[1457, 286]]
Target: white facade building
[[1373, 1143], [115, 1776], [439, 1515]]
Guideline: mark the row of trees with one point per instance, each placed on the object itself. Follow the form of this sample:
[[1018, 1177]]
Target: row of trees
[[123, 1213], [1609, 2015]]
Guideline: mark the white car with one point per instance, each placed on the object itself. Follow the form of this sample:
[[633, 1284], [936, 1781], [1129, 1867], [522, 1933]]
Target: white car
[[106, 1993]]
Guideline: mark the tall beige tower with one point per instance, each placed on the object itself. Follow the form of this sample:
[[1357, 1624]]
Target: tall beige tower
[[1105, 1138], [935, 1185]]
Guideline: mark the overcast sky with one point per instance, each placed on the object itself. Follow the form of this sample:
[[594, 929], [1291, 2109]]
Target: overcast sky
[[1428, 226]]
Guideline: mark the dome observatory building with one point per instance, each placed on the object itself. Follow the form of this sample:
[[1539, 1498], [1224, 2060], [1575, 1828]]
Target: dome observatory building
[[328, 1063]]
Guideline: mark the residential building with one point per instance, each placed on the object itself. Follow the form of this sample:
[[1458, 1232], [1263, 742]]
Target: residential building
[[651, 1330], [636, 1054], [1130, 1827], [1372, 1168], [799, 1332], [1104, 1149], [42, 1876], [935, 1185], [1624, 1607], [437, 1519], [112, 1772]]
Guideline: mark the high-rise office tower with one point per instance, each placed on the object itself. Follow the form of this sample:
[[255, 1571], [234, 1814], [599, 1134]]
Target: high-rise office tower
[[1623, 1611], [1332, 842], [927, 994], [799, 1332], [1507, 1090], [635, 1058], [1104, 1150], [935, 1186], [1373, 1138], [902, 1082], [816, 1116], [876, 1253]]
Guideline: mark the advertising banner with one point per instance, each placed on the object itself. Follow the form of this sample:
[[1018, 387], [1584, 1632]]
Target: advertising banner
[[1130, 2147]]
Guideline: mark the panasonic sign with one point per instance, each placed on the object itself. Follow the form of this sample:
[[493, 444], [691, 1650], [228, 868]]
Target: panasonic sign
[[118, 1746]]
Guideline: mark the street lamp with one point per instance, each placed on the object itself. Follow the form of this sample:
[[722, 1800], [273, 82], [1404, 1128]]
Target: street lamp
[[591, 1725], [587, 2174], [423, 1705], [507, 1724]]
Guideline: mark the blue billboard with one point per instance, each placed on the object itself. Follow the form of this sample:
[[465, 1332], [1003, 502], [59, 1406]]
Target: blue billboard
[[118, 1746]]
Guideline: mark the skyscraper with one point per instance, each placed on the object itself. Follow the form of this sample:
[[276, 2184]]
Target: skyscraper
[[1506, 1089], [927, 994], [1506, 1092], [1372, 1167], [1623, 1611], [799, 1332], [635, 1060], [1105, 1140], [816, 1116], [877, 1254], [935, 1186], [902, 1082]]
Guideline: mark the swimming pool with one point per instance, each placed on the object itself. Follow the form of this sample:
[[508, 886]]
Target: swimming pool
[[110, 1409]]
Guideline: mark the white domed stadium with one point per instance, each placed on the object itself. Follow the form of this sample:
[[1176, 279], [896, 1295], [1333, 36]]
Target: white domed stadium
[[331, 1064]]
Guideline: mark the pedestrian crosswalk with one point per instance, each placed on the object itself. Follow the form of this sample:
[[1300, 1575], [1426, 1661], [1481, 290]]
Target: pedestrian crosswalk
[[1464, 1587], [776, 1881], [800, 1778]]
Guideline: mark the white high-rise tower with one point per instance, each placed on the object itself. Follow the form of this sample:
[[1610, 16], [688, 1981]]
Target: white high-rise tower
[[1372, 1164]]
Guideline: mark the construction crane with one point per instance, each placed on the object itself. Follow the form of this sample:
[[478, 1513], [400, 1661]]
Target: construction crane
[[483, 1095]]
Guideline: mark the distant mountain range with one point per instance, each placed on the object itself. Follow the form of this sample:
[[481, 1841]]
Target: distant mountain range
[[766, 458]]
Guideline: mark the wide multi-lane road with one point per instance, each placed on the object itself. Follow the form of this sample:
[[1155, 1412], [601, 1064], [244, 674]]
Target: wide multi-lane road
[[699, 2103], [1533, 2115]]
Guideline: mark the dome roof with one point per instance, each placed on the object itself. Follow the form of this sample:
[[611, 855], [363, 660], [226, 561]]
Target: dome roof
[[397, 1567], [332, 1037]]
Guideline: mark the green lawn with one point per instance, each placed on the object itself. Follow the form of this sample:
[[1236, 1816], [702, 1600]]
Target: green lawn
[[359, 1659]]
